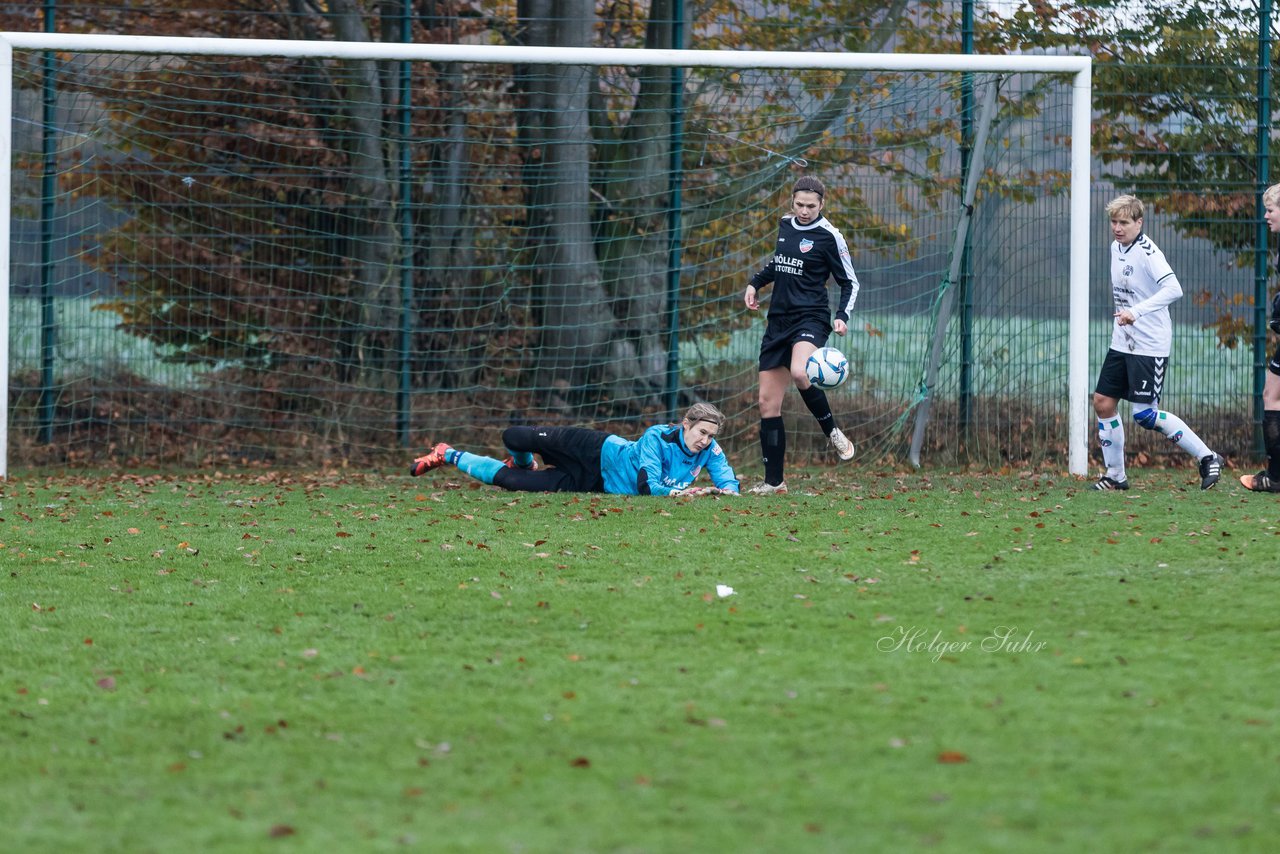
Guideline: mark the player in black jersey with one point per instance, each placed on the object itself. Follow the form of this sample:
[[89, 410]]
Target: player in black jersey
[[810, 250]]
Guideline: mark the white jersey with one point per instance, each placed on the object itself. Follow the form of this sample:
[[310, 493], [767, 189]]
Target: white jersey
[[1143, 282]]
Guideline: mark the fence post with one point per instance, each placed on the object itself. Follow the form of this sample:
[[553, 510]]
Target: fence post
[[404, 402], [965, 280], [48, 195], [1260, 225], [674, 225]]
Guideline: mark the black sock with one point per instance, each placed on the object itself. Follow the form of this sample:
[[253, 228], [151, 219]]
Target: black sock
[[1271, 441], [816, 399], [773, 447]]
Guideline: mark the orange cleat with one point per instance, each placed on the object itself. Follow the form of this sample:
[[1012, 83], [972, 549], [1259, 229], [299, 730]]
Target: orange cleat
[[432, 460]]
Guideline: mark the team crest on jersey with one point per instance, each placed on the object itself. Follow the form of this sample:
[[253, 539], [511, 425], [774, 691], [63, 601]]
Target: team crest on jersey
[[1128, 270], [806, 244]]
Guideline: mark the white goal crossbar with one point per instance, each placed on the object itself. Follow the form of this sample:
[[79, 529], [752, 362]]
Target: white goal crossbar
[[1081, 109]]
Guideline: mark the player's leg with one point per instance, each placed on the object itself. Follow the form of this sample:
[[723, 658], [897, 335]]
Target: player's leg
[[1146, 378], [815, 399], [558, 444], [1268, 480], [574, 452], [773, 434], [775, 379], [1112, 386], [520, 459], [533, 480], [1271, 417], [479, 467], [520, 443]]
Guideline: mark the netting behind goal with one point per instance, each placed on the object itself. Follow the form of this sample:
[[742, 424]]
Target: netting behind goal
[[283, 260]]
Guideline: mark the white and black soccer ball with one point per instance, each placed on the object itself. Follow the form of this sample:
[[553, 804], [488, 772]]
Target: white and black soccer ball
[[827, 367]]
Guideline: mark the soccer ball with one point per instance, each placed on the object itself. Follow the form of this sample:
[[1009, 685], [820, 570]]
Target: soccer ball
[[827, 367]]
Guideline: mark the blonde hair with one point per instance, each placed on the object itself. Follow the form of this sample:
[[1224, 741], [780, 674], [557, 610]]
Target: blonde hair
[[1271, 196], [704, 412], [1126, 205]]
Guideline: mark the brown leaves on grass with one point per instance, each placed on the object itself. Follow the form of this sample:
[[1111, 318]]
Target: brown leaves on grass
[[952, 757]]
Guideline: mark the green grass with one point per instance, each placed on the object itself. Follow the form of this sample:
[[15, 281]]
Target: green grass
[[293, 663]]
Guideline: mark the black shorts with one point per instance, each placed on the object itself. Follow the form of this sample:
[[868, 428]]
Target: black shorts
[[781, 335], [574, 452], [1127, 376]]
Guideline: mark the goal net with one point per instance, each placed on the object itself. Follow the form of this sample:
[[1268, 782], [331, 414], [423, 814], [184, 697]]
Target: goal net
[[229, 251]]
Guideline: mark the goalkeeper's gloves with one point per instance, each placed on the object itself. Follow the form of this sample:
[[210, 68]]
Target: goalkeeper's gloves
[[694, 491]]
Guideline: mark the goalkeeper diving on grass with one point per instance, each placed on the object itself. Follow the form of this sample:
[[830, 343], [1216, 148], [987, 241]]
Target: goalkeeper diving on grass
[[665, 460]]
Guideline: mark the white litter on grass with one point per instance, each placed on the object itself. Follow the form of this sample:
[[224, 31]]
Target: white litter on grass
[[723, 590]]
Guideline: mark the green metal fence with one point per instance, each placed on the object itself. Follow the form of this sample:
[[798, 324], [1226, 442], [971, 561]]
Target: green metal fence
[[223, 261]]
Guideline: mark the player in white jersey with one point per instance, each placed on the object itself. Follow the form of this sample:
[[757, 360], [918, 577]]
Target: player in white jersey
[[1268, 480], [1142, 285]]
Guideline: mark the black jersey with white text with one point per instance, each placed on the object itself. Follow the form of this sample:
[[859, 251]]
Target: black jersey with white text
[[804, 258]]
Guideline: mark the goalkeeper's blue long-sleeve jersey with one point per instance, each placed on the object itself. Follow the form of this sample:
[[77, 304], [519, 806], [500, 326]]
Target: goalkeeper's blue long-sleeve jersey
[[658, 463]]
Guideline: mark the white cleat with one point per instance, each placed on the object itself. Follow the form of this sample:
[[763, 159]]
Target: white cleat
[[769, 489], [842, 444]]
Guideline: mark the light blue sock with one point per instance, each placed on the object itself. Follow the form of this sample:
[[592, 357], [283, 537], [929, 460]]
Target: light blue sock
[[522, 459], [481, 468]]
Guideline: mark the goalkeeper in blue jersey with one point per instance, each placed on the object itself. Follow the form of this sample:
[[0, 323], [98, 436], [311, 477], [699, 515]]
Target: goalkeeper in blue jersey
[[666, 460]]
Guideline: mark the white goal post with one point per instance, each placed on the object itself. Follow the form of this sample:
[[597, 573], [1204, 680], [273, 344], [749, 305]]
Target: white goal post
[[1080, 67]]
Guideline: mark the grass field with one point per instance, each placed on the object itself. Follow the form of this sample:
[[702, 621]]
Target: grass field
[[923, 662]]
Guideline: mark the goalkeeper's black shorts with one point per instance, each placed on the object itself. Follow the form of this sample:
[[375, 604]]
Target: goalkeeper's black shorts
[[573, 453]]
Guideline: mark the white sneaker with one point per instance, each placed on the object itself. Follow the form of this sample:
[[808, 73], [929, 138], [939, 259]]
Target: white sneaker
[[769, 489], [842, 444]]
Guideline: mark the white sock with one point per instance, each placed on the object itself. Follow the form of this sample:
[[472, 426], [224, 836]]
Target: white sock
[[1111, 438], [1181, 435]]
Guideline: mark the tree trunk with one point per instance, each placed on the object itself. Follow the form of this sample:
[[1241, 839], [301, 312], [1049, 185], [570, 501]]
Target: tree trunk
[[637, 227], [569, 297], [374, 245], [452, 289]]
